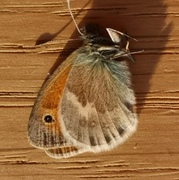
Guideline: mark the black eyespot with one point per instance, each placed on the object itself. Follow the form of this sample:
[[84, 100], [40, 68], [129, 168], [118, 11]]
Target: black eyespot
[[48, 119]]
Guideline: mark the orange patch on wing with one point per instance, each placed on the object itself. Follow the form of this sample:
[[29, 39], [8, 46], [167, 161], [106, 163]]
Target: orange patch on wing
[[51, 99], [51, 93]]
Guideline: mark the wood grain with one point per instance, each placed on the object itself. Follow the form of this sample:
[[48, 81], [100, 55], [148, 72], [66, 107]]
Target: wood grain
[[152, 153]]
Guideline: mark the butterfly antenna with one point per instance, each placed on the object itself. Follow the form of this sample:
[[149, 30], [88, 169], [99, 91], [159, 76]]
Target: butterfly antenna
[[68, 5]]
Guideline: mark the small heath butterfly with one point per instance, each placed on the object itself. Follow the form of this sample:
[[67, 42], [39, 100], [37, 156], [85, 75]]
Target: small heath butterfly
[[87, 103]]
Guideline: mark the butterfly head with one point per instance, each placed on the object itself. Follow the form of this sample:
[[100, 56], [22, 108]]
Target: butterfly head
[[110, 48]]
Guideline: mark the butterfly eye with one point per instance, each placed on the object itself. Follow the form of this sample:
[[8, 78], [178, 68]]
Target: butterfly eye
[[48, 119]]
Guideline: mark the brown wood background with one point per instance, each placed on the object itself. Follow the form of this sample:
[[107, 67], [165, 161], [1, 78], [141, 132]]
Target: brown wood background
[[152, 153]]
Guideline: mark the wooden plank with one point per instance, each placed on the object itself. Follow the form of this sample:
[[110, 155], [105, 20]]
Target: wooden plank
[[153, 151]]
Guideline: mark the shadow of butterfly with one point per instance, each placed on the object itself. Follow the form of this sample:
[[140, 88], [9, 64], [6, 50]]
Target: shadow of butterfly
[[87, 103]]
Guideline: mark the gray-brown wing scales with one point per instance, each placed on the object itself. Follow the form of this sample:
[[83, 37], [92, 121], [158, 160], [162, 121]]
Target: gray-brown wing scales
[[96, 106]]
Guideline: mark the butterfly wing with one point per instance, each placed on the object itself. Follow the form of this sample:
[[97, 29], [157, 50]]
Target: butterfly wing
[[44, 130], [96, 109], [64, 152]]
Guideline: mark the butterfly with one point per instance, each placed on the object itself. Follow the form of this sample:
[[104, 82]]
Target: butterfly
[[87, 104]]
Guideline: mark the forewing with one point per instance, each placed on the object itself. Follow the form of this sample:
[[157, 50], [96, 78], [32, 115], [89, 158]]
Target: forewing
[[46, 134], [96, 109]]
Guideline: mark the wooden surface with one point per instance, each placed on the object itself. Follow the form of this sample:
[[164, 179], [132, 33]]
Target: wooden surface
[[152, 153]]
